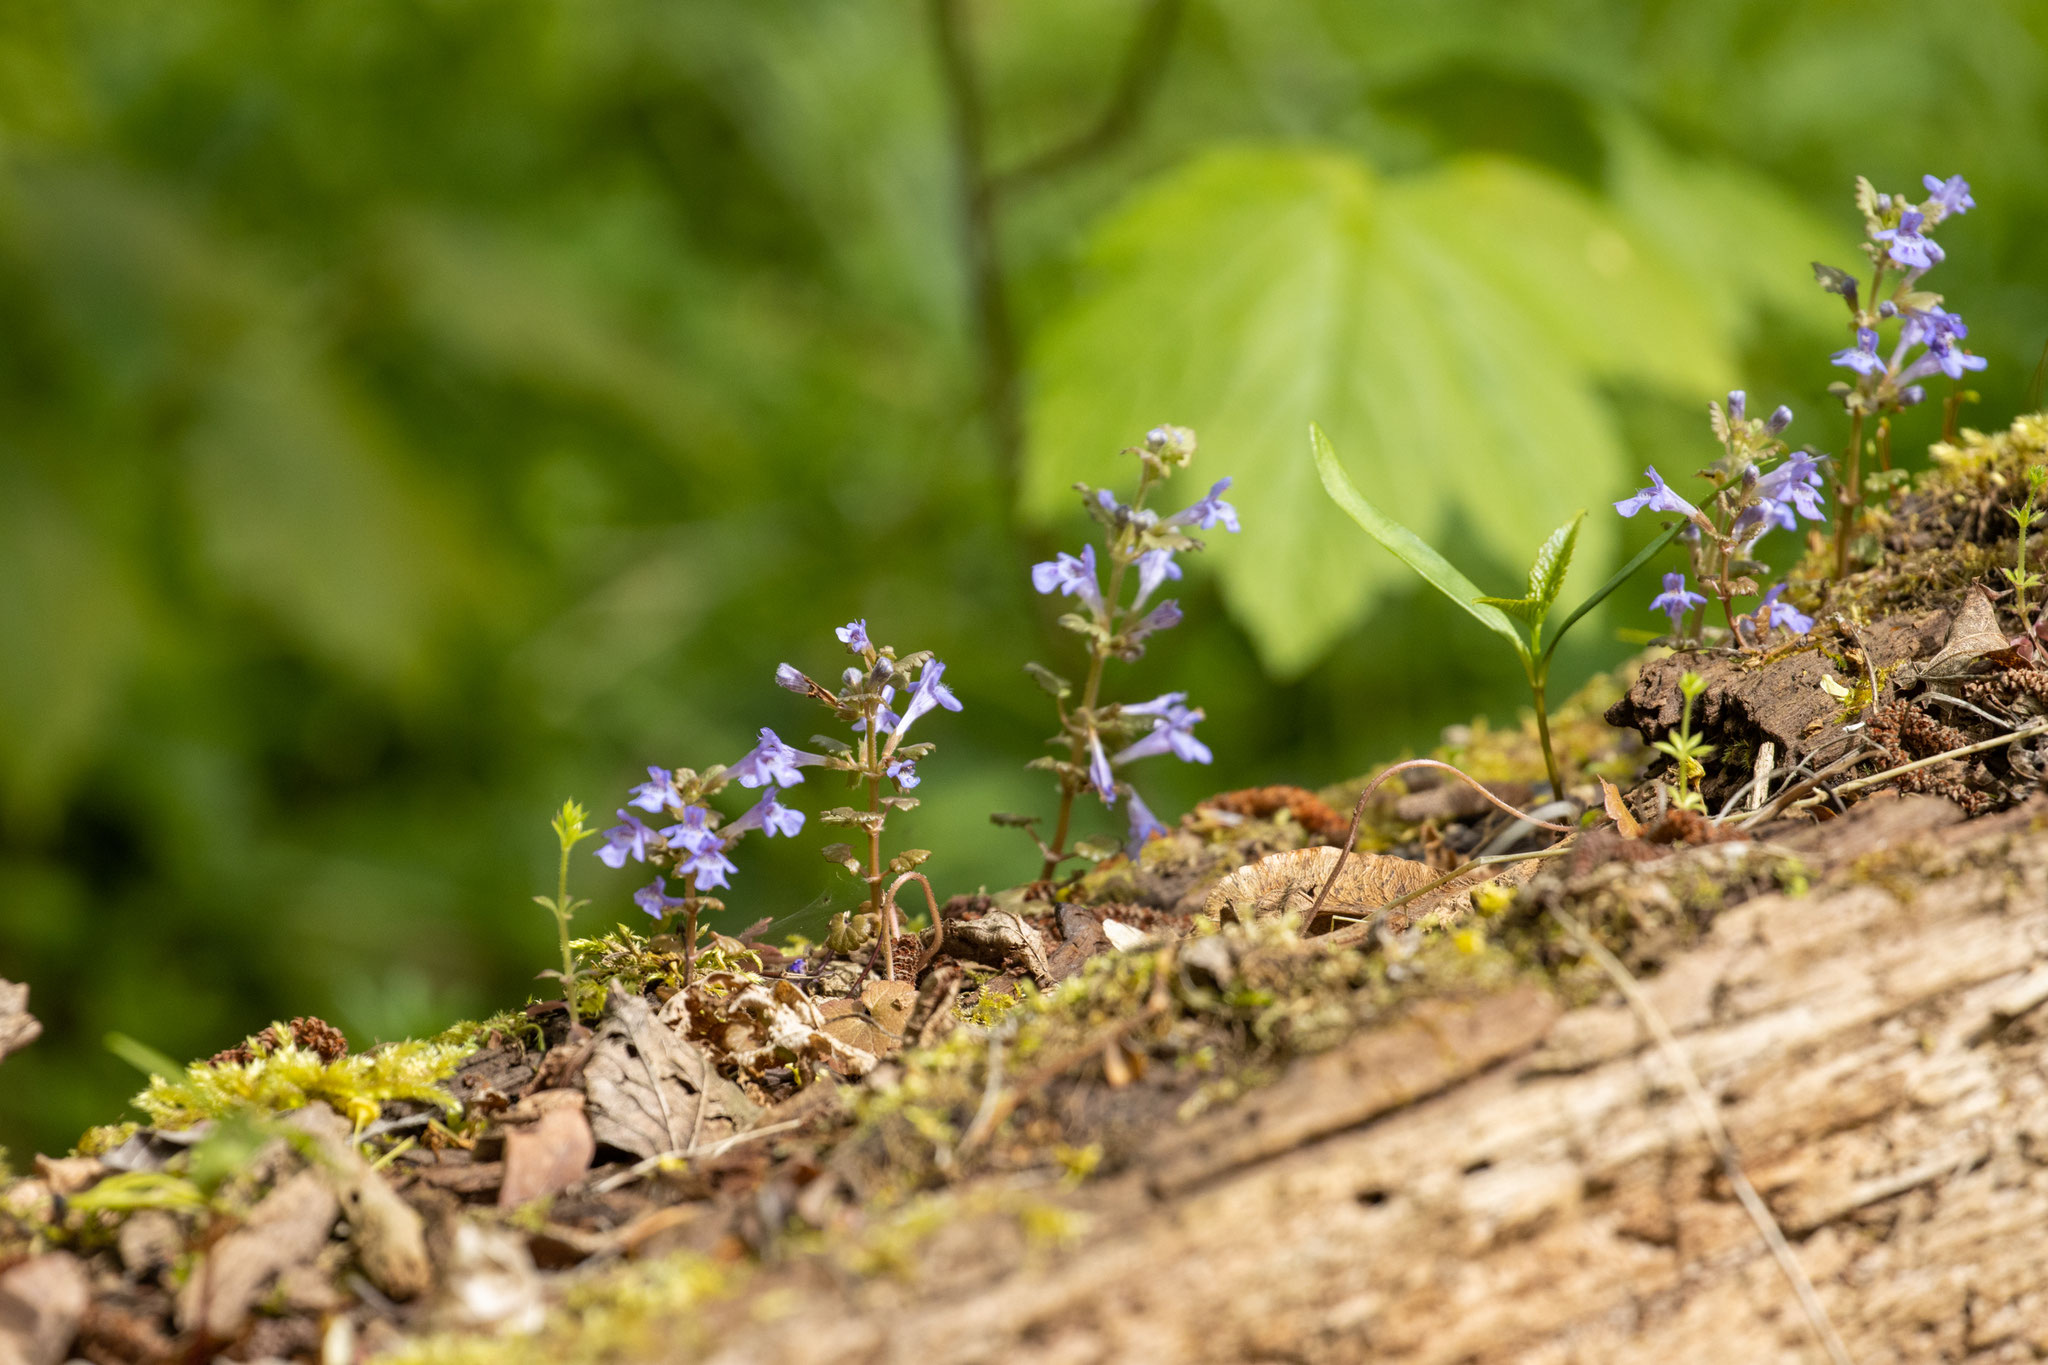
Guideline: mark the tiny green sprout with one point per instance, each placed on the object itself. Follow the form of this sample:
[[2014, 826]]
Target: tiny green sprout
[[1498, 614], [2026, 514], [1687, 749], [570, 831]]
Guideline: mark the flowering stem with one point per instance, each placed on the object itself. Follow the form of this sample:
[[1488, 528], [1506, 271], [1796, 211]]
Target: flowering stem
[[1848, 494], [1951, 407], [1091, 691], [689, 928]]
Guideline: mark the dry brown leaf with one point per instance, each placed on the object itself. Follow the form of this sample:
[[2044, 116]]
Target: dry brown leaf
[[1000, 939], [875, 1023], [649, 1090], [42, 1301], [386, 1234], [1973, 634], [18, 1028], [1283, 883], [759, 1025], [1618, 811], [547, 1157], [286, 1229]]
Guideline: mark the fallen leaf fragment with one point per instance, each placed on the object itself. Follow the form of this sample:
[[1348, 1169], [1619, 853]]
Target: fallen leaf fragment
[[286, 1229], [1618, 811], [547, 1157], [649, 1090], [18, 1028], [42, 1301], [1125, 938]]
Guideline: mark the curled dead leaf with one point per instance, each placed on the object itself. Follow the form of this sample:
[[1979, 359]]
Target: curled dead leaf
[[1618, 811], [1283, 883]]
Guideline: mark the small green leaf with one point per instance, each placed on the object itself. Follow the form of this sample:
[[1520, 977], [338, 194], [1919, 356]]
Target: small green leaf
[[1546, 575], [1403, 543], [1528, 609]]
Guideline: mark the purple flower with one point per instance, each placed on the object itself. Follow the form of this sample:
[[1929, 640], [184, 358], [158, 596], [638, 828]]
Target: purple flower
[[1144, 825], [707, 861], [1154, 568], [1070, 575], [709, 866], [1099, 774], [625, 841], [1173, 730], [1862, 357], [1780, 418], [1783, 614], [1165, 616], [655, 900], [1911, 395], [769, 816], [1209, 511], [1675, 601], [1793, 483], [854, 635], [654, 794], [1738, 404], [1944, 355], [693, 831], [1953, 194], [773, 761], [904, 772], [885, 719], [1908, 247], [1658, 497], [787, 677], [928, 693], [1932, 325]]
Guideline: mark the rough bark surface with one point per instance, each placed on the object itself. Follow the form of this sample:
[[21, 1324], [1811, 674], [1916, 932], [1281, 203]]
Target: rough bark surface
[[1510, 1180]]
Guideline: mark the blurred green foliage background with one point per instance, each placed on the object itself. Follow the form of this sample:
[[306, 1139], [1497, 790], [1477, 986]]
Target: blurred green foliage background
[[414, 412]]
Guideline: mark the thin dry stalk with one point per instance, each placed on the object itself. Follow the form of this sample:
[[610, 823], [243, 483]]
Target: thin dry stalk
[[938, 925], [1889, 773], [1717, 1137]]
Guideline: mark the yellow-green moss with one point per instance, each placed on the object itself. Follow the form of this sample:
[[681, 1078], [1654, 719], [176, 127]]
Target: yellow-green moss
[[291, 1076]]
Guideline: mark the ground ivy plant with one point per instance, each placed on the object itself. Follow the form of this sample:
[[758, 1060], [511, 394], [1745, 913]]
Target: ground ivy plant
[[1115, 617]]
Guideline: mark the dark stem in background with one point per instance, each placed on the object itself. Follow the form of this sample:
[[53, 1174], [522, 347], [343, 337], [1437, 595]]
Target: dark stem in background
[[982, 190]]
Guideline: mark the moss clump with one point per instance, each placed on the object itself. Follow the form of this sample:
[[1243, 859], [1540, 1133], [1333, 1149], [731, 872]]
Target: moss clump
[[291, 1076]]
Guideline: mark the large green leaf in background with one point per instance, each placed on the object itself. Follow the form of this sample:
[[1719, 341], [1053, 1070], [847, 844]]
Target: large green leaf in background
[[1451, 331]]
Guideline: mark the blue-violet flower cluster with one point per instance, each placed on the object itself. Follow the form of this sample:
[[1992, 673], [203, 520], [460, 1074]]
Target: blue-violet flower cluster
[[1114, 612]]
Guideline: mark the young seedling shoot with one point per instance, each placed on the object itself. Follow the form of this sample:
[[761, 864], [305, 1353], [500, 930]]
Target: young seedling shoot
[[1497, 614], [570, 831], [1099, 738], [878, 761], [1899, 240], [1687, 750], [2026, 514], [693, 847], [1752, 493]]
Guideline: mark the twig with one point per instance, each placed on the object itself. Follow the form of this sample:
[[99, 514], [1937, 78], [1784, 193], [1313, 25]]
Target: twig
[[1931, 695], [1889, 773], [985, 1117], [1717, 1137], [1793, 791], [1358, 811], [693, 1153]]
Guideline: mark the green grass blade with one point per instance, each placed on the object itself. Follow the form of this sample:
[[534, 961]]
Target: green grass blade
[[1403, 543], [1600, 594]]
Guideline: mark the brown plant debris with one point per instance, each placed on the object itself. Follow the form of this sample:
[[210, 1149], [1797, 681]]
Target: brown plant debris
[[1309, 811], [309, 1032]]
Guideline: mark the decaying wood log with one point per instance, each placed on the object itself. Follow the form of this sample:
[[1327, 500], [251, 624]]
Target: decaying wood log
[[1509, 1180]]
